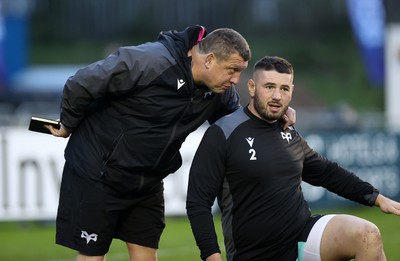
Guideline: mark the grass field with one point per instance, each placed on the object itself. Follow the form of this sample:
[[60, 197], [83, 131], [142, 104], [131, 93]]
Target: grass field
[[32, 241]]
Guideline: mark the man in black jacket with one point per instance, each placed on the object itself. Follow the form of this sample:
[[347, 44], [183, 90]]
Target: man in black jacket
[[129, 115], [255, 169]]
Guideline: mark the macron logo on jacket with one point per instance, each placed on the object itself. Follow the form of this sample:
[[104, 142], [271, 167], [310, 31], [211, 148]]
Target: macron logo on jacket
[[180, 83]]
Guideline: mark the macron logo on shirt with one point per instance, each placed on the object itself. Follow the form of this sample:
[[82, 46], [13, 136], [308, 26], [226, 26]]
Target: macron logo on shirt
[[180, 83], [252, 151]]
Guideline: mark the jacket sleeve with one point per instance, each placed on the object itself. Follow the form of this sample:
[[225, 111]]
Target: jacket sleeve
[[205, 181], [114, 75], [319, 171]]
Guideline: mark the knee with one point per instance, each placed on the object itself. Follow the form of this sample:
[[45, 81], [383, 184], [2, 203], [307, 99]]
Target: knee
[[370, 235]]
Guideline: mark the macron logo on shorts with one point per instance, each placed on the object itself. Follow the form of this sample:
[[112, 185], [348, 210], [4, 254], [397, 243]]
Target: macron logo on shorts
[[88, 237]]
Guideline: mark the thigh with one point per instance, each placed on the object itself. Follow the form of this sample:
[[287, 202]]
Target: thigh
[[341, 237], [144, 222], [141, 253]]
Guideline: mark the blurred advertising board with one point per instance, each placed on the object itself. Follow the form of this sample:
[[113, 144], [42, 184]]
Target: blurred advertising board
[[373, 156], [30, 174], [31, 165]]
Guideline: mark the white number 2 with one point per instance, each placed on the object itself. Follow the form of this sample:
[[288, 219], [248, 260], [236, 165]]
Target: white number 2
[[253, 154]]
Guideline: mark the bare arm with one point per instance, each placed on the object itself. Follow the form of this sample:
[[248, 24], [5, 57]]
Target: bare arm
[[214, 257], [387, 205]]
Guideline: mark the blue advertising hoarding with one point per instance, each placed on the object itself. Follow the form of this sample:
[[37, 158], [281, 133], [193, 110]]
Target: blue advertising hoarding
[[367, 18], [13, 39], [373, 156]]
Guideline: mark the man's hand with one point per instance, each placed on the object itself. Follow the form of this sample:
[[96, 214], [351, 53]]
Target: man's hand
[[387, 205], [289, 118], [62, 132]]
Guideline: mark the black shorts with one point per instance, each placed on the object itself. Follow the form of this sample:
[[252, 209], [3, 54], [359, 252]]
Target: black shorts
[[292, 253], [309, 225], [89, 218]]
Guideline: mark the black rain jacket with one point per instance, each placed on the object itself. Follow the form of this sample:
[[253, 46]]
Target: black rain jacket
[[130, 113]]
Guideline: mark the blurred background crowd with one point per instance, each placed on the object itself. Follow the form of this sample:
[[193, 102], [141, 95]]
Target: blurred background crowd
[[339, 49], [346, 55]]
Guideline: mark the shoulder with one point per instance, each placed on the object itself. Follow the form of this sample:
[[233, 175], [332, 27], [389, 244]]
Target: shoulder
[[231, 121], [147, 50], [148, 59]]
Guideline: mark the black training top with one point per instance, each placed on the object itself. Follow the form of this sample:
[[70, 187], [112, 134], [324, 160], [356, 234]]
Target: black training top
[[255, 169]]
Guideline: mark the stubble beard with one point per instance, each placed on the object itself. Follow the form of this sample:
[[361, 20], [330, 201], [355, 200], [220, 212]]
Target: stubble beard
[[263, 111]]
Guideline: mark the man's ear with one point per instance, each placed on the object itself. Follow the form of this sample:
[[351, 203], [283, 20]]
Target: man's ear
[[209, 60], [251, 85]]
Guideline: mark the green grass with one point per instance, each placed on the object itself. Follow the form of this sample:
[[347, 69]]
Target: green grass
[[35, 241]]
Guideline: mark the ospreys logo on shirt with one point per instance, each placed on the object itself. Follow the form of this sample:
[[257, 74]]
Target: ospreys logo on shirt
[[286, 136], [252, 151]]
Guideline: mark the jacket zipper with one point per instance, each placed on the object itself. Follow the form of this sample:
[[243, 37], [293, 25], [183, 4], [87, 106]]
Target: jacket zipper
[[172, 135], [111, 151]]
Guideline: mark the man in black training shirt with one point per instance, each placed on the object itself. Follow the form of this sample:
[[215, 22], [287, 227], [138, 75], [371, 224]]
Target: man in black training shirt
[[255, 169]]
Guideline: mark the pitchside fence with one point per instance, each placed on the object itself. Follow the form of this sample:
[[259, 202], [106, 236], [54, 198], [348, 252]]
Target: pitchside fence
[[31, 167]]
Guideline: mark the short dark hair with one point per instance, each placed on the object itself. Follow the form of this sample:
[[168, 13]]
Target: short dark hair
[[224, 42], [273, 63]]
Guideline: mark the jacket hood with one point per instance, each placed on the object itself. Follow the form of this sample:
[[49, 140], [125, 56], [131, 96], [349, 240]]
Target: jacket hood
[[179, 43]]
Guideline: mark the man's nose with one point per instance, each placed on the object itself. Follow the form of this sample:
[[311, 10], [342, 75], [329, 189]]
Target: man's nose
[[235, 79], [276, 95]]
